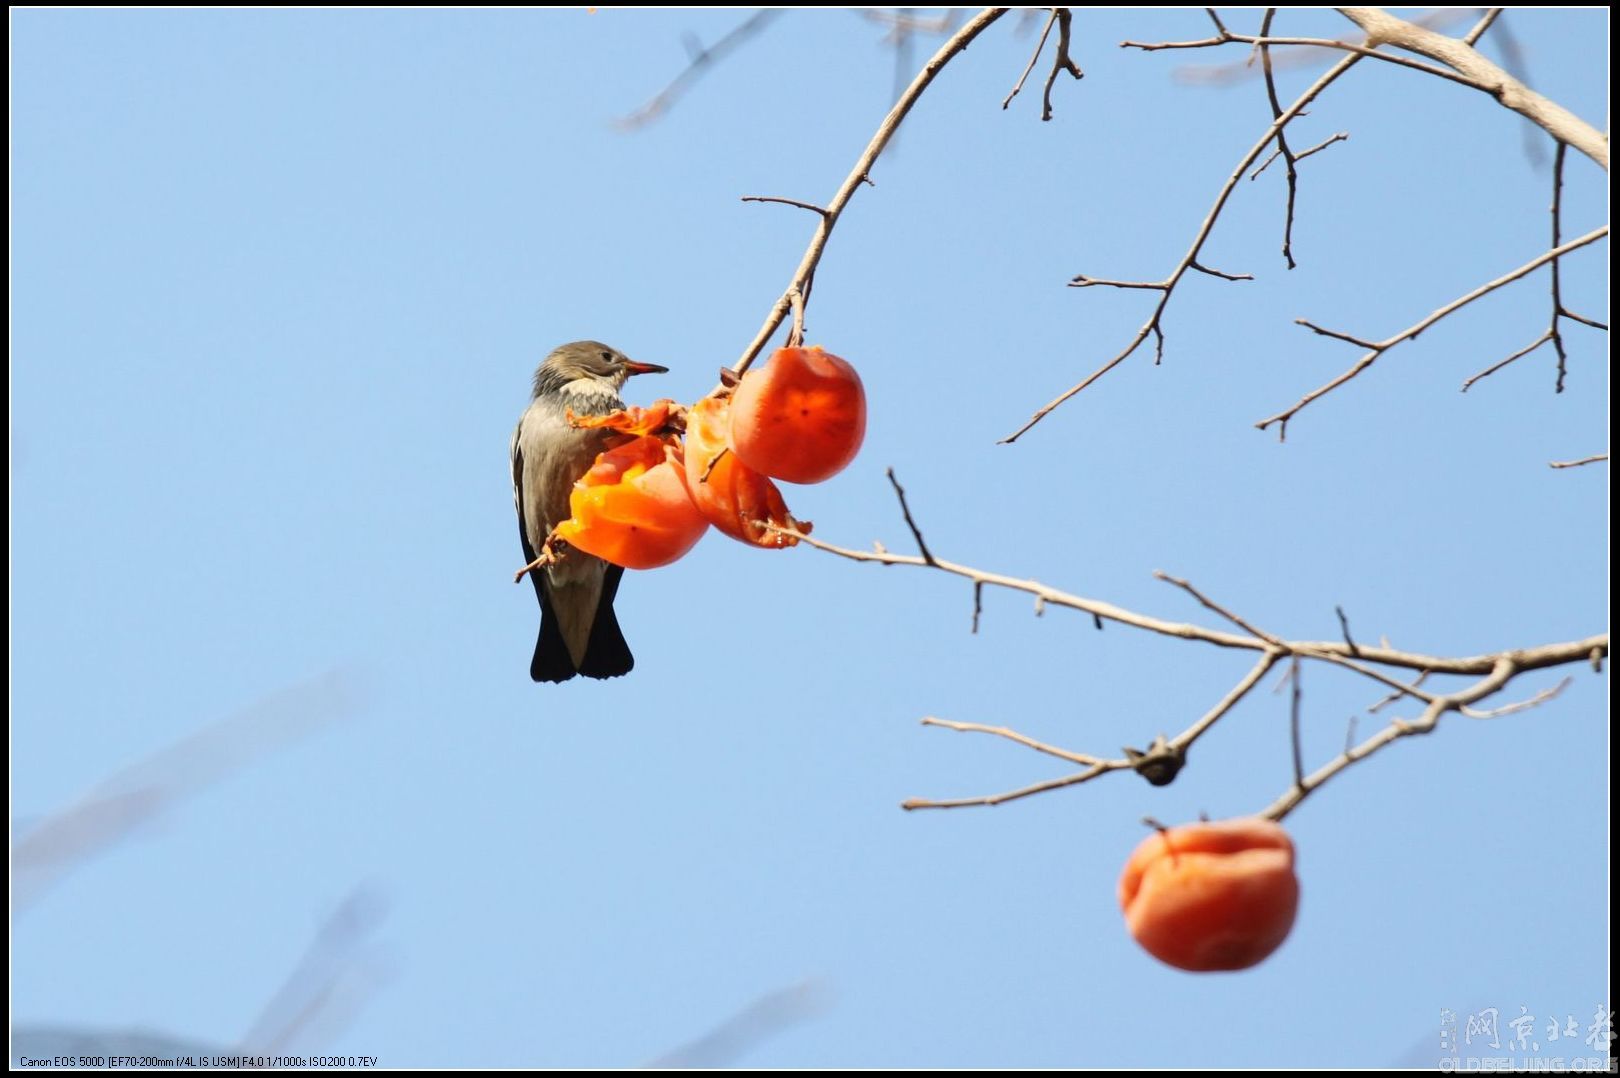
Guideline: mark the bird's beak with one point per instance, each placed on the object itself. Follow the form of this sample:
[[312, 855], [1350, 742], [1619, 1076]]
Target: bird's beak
[[643, 368]]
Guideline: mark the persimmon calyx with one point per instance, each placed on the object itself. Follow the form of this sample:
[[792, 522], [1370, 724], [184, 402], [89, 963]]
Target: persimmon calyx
[[1160, 763]]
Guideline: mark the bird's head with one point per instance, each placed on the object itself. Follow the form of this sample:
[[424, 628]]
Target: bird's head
[[586, 366]]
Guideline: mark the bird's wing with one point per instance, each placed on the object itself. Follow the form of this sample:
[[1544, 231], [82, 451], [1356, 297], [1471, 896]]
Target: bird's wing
[[529, 552]]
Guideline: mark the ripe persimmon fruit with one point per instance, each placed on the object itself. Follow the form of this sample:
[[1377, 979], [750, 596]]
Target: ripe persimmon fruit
[[731, 495], [1211, 896], [632, 508], [799, 417]]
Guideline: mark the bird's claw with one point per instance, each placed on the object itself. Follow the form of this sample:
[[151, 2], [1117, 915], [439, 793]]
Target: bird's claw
[[552, 551]]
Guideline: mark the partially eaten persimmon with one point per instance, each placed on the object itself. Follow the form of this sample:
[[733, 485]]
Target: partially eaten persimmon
[[632, 508], [732, 496], [1211, 896], [659, 417], [799, 417]]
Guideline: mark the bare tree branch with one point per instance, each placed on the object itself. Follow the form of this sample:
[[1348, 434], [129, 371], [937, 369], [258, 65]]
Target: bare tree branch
[[1502, 673], [1295, 57], [1523, 705], [1167, 286], [1462, 64], [1383, 28], [1289, 160], [1061, 61], [1595, 459], [1484, 24], [800, 283], [1262, 41], [1531, 659], [1559, 311], [905, 510], [1376, 349], [811, 206], [1023, 791], [1013, 735], [1211, 605], [1302, 155], [1036, 55], [1294, 694], [1494, 671]]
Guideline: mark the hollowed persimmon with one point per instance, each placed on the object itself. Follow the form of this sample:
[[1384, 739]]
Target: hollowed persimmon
[[731, 495], [800, 417], [1211, 896], [632, 508]]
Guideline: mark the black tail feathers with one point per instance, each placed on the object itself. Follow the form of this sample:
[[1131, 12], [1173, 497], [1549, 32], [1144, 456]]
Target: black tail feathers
[[606, 652]]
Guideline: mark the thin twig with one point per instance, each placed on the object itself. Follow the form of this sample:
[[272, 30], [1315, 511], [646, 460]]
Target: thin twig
[[1061, 61], [1553, 334], [1289, 160], [1378, 348], [1344, 628], [1222, 274], [1484, 24], [1401, 693], [1036, 55], [1523, 705], [916, 533], [1557, 295], [1502, 671], [1293, 724], [1258, 40], [1320, 146], [1499, 364], [1302, 155], [1013, 795], [795, 335], [1082, 281], [1013, 735], [811, 206], [1210, 604], [1596, 458]]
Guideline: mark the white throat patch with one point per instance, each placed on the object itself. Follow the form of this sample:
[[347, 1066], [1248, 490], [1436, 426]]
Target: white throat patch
[[591, 390]]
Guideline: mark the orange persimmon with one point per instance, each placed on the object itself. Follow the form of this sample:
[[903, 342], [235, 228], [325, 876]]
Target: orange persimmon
[[800, 417], [632, 508], [653, 419], [1211, 896], [735, 498]]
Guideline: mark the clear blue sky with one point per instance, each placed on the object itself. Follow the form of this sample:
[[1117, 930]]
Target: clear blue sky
[[279, 281]]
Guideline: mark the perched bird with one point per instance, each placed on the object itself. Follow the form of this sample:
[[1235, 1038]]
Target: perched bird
[[578, 632]]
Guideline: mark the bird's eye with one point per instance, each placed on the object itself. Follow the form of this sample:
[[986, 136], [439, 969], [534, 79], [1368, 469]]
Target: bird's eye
[[607, 357]]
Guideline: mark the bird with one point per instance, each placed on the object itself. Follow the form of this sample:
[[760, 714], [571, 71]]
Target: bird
[[579, 633]]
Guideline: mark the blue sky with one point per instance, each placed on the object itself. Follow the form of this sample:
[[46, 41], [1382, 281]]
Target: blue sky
[[279, 281]]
